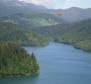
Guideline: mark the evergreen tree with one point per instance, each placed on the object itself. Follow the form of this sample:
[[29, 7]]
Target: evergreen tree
[[15, 61]]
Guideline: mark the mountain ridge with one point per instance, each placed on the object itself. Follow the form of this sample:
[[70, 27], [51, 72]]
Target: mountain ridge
[[73, 14]]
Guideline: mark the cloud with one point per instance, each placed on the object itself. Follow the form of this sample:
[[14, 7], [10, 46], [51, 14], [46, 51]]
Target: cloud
[[47, 3], [61, 3]]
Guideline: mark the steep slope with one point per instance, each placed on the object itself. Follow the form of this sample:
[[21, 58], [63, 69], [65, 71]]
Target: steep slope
[[15, 61], [77, 34], [10, 32], [8, 7]]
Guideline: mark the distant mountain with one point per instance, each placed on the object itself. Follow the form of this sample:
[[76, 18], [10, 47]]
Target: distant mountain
[[73, 14], [26, 14], [8, 7]]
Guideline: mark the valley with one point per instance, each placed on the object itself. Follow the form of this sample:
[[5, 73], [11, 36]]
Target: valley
[[43, 45]]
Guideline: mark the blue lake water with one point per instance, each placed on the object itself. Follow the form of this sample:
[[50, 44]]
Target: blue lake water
[[59, 64]]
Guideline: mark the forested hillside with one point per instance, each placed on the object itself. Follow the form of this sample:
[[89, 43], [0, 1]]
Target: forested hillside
[[33, 25], [77, 34], [32, 19], [14, 61], [10, 32]]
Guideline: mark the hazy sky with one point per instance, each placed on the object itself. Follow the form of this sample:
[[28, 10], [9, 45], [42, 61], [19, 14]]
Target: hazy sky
[[62, 3]]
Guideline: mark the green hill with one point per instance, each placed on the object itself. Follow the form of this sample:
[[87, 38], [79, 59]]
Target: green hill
[[10, 32], [32, 19], [77, 34], [14, 61]]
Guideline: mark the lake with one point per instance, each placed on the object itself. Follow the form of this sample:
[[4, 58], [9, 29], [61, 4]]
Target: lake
[[59, 64]]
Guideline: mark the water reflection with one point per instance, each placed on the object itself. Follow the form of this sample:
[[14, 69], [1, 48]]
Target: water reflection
[[20, 80]]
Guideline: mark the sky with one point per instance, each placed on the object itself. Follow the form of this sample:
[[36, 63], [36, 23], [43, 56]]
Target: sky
[[63, 4]]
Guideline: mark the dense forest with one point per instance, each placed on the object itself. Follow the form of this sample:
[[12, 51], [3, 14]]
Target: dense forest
[[77, 34], [14, 61], [10, 32]]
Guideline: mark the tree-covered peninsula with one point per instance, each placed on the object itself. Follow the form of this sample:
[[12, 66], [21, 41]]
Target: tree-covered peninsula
[[15, 61]]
